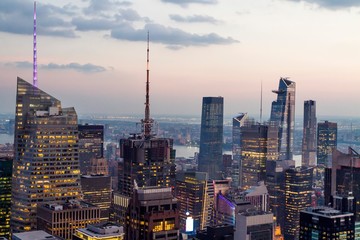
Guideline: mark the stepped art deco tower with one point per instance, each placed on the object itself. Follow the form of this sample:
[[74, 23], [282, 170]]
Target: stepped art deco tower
[[46, 163], [283, 115]]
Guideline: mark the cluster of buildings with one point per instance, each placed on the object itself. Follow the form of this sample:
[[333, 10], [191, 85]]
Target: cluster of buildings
[[58, 185]]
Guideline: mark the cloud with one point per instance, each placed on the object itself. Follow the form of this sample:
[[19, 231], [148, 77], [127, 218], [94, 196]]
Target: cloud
[[184, 3], [332, 4], [85, 68], [194, 19], [168, 35], [97, 7], [16, 16], [83, 24]]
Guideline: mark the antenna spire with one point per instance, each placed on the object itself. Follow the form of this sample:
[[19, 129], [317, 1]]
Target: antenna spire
[[147, 121], [261, 101], [35, 82]]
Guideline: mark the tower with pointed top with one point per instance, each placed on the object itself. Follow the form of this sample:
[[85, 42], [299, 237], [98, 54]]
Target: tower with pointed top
[[46, 162], [146, 158], [283, 115]]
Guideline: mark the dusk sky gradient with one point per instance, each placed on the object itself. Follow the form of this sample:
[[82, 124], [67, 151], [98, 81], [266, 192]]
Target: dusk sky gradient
[[92, 53]]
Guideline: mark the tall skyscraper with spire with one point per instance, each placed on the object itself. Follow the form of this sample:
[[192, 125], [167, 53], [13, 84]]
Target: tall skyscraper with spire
[[148, 160], [211, 136], [283, 115], [309, 134], [46, 163]]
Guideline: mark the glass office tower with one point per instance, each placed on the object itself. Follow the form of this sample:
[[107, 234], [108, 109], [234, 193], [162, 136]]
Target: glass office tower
[[211, 136]]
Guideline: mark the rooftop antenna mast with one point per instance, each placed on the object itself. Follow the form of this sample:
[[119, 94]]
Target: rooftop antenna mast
[[147, 122], [35, 82], [261, 102]]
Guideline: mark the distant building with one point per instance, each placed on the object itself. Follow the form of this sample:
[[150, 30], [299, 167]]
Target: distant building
[[254, 225], [6, 164], [34, 235], [62, 219], [118, 208], [309, 134], [283, 115], [298, 190], [326, 223], [238, 122], [153, 214], [46, 161], [258, 145], [91, 145], [96, 190], [219, 232], [211, 136], [326, 141], [100, 231]]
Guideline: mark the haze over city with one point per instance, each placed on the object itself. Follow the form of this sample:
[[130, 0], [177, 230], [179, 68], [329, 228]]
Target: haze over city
[[92, 54]]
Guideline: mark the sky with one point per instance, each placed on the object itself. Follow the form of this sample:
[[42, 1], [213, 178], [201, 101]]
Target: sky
[[92, 54]]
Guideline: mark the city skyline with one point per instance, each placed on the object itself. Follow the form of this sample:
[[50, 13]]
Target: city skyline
[[199, 48]]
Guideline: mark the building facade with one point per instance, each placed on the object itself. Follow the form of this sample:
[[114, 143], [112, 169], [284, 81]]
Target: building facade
[[5, 195], [63, 219], [326, 141], [153, 214], [96, 189], [283, 115], [237, 122], [91, 145], [298, 190], [326, 223], [46, 160], [309, 134], [258, 145], [211, 136], [254, 225]]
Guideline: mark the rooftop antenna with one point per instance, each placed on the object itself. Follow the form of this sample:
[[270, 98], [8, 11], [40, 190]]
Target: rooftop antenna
[[261, 102], [147, 122], [35, 82]]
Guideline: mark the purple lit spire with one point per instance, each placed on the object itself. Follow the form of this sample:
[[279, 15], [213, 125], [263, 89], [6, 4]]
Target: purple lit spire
[[35, 82]]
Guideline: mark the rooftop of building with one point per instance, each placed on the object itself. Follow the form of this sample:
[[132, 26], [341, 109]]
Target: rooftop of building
[[104, 229], [326, 212], [34, 235], [71, 204]]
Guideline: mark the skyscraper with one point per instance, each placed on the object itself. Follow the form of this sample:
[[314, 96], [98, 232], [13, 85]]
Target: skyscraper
[[91, 145], [258, 145], [191, 192], [298, 189], [147, 159], [309, 134], [46, 159], [283, 114], [343, 178], [211, 136], [326, 141], [5, 195], [238, 122], [326, 223]]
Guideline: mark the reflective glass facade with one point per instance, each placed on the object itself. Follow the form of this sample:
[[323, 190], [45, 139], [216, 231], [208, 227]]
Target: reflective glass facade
[[309, 134], [283, 114], [326, 141], [211, 136], [46, 161]]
